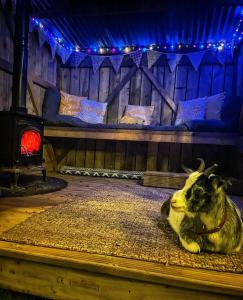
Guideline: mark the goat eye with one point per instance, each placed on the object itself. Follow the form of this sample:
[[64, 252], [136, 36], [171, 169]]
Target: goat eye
[[189, 193], [197, 193]]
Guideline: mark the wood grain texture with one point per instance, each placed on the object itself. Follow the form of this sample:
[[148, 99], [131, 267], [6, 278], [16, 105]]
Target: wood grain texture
[[184, 137]]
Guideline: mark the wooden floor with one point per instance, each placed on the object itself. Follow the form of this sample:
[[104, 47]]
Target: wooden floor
[[61, 274]]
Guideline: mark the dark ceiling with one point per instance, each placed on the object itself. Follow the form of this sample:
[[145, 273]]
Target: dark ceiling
[[120, 23]]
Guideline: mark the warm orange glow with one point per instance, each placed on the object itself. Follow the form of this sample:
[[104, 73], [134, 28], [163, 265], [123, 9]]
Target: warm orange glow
[[30, 142]]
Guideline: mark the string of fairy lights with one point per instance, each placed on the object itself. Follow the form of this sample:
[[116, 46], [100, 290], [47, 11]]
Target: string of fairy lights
[[166, 47]]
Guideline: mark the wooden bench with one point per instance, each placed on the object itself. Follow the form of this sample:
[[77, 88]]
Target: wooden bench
[[184, 137]]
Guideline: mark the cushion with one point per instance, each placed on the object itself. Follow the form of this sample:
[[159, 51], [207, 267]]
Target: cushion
[[92, 111], [214, 106], [136, 114], [70, 105], [231, 110], [51, 102], [61, 120], [206, 125], [191, 110]]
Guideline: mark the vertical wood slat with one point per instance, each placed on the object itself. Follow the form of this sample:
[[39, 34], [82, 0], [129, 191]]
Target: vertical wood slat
[[74, 82], [112, 110], [169, 81], [158, 103], [84, 77], [228, 80], [112, 118], [205, 82], [123, 159], [218, 79], [156, 99], [74, 89], [94, 95], [192, 84], [124, 93], [135, 89], [152, 154], [103, 93]]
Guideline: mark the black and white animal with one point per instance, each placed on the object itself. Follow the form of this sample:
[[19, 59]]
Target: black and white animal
[[203, 216]]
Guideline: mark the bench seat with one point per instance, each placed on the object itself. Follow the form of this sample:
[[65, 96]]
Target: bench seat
[[109, 132]]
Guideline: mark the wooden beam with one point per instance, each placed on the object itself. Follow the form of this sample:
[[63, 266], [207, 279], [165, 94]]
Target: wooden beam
[[120, 85], [178, 137], [31, 90], [159, 88]]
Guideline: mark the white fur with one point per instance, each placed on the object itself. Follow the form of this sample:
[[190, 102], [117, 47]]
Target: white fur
[[175, 218], [178, 201]]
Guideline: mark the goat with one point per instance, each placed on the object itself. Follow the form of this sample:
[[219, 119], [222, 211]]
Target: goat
[[202, 215]]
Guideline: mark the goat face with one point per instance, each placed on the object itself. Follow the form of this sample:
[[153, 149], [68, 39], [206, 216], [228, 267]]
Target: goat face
[[197, 194], [180, 201]]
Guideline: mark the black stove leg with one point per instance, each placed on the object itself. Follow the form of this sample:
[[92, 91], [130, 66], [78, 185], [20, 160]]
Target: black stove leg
[[14, 180], [44, 174]]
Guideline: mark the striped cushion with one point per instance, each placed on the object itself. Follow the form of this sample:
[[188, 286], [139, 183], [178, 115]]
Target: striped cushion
[[70, 105], [92, 112]]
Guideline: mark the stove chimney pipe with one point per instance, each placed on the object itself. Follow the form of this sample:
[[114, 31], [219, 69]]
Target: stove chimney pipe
[[20, 63]]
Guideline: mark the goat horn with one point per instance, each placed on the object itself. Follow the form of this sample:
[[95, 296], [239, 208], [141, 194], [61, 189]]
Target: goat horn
[[210, 170], [186, 169], [202, 165]]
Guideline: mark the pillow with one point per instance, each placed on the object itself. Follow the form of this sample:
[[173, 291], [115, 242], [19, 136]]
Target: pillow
[[70, 105], [214, 106], [136, 114], [206, 125], [92, 112], [191, 110]]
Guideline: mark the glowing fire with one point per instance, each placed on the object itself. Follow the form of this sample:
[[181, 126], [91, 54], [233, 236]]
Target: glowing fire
[[30, 142]]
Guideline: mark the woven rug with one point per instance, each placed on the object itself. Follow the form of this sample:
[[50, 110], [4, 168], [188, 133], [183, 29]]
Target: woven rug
[[116, 219]]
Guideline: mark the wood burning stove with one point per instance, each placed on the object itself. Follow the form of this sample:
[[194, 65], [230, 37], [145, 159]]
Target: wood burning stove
[[21, 147], [21, 140], [21, 135]]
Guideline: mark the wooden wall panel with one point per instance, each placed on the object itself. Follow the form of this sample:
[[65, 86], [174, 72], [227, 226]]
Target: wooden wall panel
[[6, 52], [40, 63], [182, 84]]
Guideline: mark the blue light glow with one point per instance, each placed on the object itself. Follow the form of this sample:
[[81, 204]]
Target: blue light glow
[[171, 45]]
